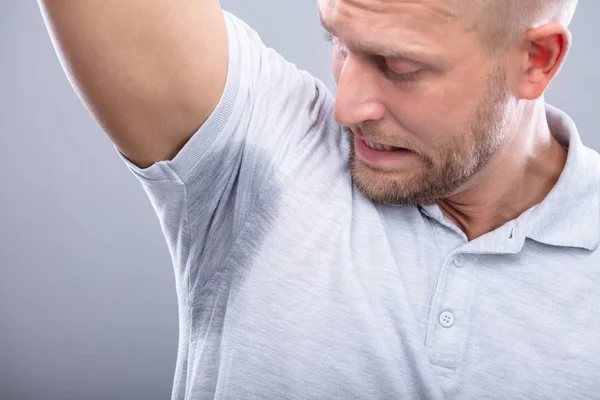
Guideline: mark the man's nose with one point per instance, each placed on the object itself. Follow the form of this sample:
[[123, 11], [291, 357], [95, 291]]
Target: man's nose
[[358, 94]]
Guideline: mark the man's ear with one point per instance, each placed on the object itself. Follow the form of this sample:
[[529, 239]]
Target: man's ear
[[545, 52]]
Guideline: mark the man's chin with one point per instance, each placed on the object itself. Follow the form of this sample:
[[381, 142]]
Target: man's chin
[[385, 186], [402, 189]]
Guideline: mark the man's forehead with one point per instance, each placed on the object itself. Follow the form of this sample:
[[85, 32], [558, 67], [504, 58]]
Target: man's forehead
[[410, 29], [441, 8], [434, 18]]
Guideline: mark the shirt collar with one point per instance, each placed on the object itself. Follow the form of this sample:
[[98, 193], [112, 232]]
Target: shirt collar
[[570, 214]]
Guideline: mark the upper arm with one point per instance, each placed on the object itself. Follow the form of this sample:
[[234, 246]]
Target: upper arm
[[150, 71], [270, 118]]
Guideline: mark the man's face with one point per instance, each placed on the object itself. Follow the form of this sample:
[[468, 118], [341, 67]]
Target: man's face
[[411, 75]]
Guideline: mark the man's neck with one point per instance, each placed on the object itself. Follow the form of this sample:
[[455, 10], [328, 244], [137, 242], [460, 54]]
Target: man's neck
[[520, 175]]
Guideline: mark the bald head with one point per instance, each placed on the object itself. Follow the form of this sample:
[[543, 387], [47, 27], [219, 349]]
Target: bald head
[[502, 21]]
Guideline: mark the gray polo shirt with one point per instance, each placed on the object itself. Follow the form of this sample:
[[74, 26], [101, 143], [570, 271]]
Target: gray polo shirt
[[293, 285]]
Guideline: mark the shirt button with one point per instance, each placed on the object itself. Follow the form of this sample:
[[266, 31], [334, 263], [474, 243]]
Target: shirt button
[[459, 260], [446, 319]]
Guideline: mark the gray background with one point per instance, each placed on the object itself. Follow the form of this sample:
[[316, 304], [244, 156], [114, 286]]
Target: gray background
[[87, 295]]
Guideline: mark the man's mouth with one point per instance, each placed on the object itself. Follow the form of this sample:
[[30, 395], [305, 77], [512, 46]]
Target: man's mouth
[[382, 147], [382, 155]]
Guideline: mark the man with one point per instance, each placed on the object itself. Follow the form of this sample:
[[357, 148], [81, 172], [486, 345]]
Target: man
[[431, 234]]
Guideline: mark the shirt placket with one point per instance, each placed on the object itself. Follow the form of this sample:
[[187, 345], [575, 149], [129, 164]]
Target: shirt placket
[[449, 322], [449, 317]]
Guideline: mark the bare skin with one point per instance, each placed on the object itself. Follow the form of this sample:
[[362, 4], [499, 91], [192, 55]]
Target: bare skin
[[136, 66], [475, 123], [520, 176]]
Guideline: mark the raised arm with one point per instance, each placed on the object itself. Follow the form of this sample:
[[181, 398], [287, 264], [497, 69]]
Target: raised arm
[[150, 71]]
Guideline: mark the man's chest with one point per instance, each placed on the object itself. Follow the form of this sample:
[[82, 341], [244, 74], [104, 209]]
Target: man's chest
[[382, 307]]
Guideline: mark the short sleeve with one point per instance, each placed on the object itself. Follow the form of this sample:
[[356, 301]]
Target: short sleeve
[[207, 191]]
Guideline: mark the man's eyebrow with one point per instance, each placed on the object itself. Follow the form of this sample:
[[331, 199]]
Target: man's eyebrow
[[377, 49]]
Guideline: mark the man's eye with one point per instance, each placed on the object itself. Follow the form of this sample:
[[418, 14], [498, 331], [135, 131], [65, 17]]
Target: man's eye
[[398, 76], [404, 77], [328, 37]]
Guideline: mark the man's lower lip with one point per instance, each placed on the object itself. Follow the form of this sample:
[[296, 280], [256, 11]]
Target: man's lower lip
[[379, 157]]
